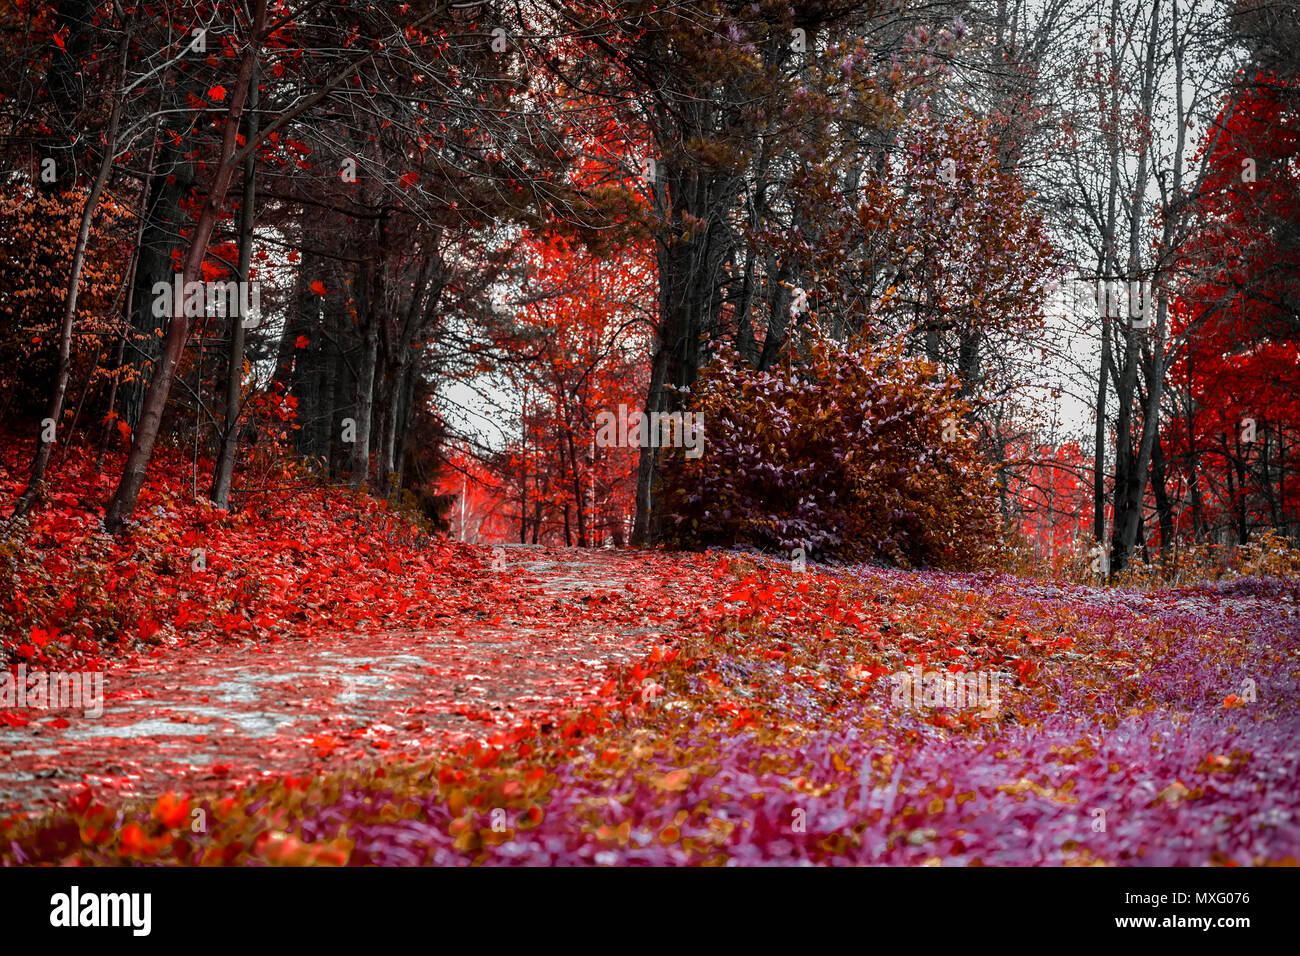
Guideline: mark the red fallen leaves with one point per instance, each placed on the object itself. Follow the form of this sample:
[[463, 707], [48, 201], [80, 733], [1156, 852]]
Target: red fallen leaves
[[326, 744], [742, 716], [287, 850], [311, 559], [475, 714], [135, 843], [305, 568], [291, 568], [697, 740], [171, 810]]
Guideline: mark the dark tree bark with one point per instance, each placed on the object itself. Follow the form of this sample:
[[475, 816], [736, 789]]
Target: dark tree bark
[[225, 466], [146, 434]]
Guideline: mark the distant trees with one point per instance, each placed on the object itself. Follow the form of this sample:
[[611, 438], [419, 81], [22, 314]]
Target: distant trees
[[1136, 114], [1232, 440], [573, 341]]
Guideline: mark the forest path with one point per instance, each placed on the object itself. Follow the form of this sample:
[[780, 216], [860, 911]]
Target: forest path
[[535, 636]]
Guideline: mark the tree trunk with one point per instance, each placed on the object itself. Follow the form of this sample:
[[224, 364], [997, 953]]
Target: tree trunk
[[1130, 469], [687, 308], [359, 465], [1164, 507], [402, 428], [1099, 440], [1136, 488], [577, 490], [146, 434], [225, 468], [389, 464], [172, 182]]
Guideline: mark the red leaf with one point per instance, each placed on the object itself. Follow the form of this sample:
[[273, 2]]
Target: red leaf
[[171, 810]]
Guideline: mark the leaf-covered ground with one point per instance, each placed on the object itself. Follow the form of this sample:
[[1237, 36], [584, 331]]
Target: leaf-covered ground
[[514, 645], [756, 725]]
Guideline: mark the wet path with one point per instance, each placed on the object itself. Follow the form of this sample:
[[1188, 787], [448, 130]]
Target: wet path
[[532, 638]]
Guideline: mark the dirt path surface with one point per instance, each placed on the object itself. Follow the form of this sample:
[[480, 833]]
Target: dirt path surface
[[531, 638]]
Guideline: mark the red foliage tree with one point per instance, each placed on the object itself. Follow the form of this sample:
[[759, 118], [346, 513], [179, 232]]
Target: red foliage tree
[[1233, 443]]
